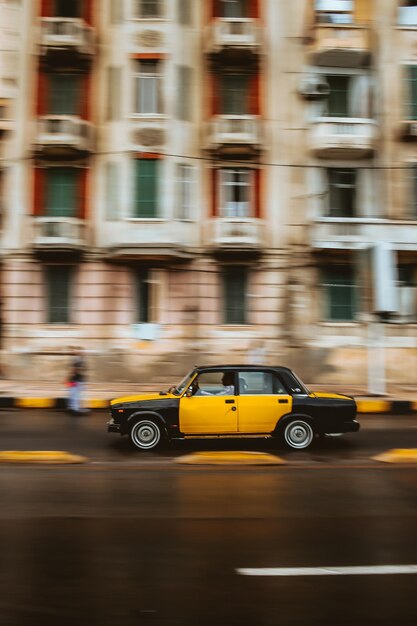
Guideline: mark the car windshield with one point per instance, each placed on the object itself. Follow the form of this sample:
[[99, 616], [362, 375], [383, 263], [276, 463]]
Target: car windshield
[[179, 389]]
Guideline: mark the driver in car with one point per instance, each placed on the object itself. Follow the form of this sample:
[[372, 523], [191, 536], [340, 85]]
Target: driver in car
[[227, 382]]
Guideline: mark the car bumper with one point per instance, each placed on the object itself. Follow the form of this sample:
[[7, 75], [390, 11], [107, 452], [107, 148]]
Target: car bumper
[[112, 427]]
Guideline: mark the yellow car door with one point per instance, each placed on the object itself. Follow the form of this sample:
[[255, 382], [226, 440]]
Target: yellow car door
[[262, 401], [208, 415]]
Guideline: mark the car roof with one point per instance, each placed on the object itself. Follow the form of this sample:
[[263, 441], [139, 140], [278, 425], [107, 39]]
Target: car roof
[[242, 366]]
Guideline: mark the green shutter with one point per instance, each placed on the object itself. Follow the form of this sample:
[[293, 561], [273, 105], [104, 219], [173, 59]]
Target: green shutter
[[146, 193], [143, 300], [340, 294], [338, 97], [411, 80], [234, 295], [64, 98], [58, 279], [61, 192]]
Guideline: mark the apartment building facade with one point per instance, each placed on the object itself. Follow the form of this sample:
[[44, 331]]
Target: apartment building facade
[[187, 181]]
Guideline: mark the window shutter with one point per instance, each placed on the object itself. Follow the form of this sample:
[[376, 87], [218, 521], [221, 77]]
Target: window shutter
[[216, 8], [84, 97], [254, 94], [253, 8], [39, 191], [46, 8], [42, 94], [257, 192], [82, 193], [215, 86], [214, 191]]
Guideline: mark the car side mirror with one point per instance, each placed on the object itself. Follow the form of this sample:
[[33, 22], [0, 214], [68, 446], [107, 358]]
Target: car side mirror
[[189, 392]]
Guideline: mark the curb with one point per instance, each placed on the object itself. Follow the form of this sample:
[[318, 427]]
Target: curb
[[52, 457], [230, 458], [365, 406]]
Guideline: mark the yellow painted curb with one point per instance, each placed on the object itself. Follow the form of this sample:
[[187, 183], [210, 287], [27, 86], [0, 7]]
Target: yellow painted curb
[[230, 458], [373, 406], [398, 455], [97, 403], [39, 456], [35, 403]]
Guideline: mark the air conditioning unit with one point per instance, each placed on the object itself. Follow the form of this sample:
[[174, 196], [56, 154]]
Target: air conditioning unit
[[313, 87], [409, 130]]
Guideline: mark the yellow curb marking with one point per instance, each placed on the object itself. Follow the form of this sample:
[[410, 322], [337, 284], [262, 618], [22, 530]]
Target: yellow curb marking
[[398, 455], [39, 456], [35, 403], [97, 403], [228, 458], [373, 406]]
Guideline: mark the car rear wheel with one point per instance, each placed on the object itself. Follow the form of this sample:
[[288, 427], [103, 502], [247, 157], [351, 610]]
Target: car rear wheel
[[298, 434], [146, 434]]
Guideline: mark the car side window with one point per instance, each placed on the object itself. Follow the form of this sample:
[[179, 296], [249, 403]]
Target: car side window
[[214, 383], [260, 383]]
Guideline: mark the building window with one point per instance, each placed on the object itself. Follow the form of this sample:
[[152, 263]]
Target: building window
[[236, 192], [64, 94], [413, 191], [67, 8], [143, 296], [184, 93], [411, 92], [58, 283], [185, 16], [338, 98], [149, 8], [184, 183], [146, 188], [234, 94], [62, 185], [342, 192], [340, 294], [334, 11], [235, 281], [407, 292], [407, 13], [148, 87], [234, 9]]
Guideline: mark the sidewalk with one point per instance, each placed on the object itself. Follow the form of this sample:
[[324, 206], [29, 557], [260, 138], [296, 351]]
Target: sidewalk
[[43, 394]]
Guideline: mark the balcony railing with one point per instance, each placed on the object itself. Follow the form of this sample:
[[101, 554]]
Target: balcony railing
[[360, 233], [59, 233], [341, 45], [62, 34], [161, 239], [344, 138], [235, 233], [234, 33], [64, 134], [6, 123], [236, 133]]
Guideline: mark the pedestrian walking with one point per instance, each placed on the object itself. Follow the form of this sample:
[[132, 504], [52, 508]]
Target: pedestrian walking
[[76, 383]]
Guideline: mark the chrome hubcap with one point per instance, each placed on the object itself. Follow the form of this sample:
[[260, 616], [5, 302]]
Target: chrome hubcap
[[146, 434], [299, 435]]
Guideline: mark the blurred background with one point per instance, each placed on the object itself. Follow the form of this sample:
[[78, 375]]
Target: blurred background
[[201, 181]]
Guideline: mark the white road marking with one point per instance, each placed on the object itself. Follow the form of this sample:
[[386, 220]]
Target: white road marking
[[359, 570]]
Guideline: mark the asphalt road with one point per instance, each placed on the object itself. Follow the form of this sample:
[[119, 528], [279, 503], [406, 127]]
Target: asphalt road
[[132, 539]]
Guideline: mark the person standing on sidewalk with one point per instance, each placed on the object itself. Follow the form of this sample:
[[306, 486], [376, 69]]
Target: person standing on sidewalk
[[76, 383]]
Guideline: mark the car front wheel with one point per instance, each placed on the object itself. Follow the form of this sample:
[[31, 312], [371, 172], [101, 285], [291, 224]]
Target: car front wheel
[[146, 434], [298, 434]]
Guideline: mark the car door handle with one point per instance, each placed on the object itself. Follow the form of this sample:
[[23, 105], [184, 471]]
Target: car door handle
[[229, 401], [283, 401]]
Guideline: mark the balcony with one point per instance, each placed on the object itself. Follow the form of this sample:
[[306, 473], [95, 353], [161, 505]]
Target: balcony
[[59, 235], [148, 132], [235, 135], [148, 240], [235, 234], [341, 45], [63, 136], [234, 41], [359, 233], [343, 138], [66, 41]]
